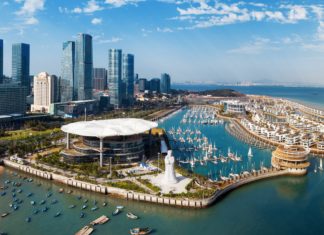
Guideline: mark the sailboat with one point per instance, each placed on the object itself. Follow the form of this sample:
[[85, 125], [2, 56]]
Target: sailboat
[[321, 165], [250, 154]]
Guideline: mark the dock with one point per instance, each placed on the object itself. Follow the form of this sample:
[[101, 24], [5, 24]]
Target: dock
[[86, 230], [101, 220]]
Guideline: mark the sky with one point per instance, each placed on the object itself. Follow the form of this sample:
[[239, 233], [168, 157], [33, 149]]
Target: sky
[[198, 41]]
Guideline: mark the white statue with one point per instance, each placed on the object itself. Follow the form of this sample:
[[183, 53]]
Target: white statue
[[169, 175]]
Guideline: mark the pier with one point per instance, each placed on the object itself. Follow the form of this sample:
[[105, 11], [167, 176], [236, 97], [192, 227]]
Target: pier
[[223, 187]]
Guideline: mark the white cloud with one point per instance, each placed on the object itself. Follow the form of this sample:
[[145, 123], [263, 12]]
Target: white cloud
[[256, 47], [164, 30], [120, 3], [30, 7], [31, 21], [90, 7], [112, 40], [96, 21]]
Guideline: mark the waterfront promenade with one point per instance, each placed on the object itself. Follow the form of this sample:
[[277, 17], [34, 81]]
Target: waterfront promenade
[[221, 187]]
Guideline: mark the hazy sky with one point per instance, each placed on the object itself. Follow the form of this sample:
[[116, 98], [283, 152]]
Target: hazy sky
[[193, 40]]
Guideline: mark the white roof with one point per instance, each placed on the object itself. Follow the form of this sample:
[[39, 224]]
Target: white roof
[[110, 127]]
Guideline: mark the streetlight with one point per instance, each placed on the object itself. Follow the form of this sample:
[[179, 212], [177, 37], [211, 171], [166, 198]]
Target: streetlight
[[158, 161]]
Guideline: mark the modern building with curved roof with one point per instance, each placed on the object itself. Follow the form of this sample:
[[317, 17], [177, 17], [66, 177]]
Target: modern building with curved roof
[[120, 140]]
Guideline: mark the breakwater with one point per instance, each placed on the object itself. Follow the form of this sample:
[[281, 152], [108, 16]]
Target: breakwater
[[225, 186]]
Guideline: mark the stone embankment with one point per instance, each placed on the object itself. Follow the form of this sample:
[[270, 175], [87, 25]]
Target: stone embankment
[[228, 185]]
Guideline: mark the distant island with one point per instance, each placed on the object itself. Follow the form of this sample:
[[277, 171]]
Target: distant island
[[215, 93]]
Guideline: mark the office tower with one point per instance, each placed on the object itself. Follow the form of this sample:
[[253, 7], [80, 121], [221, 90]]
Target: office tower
[[20, 64], [99, 79], [1, 61], [67, 71], [165, 86], [128, 79], [83, 67], [155, 85], [142, 84], [12, 99], [44, 92], [114, 76]]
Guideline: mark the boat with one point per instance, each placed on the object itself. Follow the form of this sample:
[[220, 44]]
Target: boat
[[101, 220], [104, 204], [84, 207], [32, 202], [57, 214], [4, 214], [82, 215], [54, 201], [86, 230], [28, 219], [140, 231], [29, 194], [131, 215], [35, 212], [94, 208], [116, 212], [85, 200], [45, 209], [120, 207], [42, 202], [61, 190], [321, 165], [71, 206], [49, 194], [3, 194], [250, 154], [69, 192]]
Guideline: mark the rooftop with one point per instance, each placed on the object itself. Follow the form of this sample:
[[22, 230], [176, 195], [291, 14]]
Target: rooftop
[[110, 127]]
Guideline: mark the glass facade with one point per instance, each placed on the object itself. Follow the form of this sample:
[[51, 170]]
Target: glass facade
[[155, 85], [20, 64], [165, 86], [12, 99], [115, 77], [142, 84], [67, 71], [83, 67], [128, 78], [1, 61], [99, 81]]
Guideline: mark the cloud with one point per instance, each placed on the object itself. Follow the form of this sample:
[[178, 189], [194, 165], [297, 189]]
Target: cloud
[[120, 3], [256, 47], [96, 21], [111, 40], [90, 7], [164, 30], [31, 21], [30, 7]]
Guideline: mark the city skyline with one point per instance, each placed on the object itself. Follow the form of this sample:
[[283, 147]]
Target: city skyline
[[226, 41]]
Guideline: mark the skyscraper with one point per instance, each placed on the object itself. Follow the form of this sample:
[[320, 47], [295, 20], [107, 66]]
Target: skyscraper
[[12, 99], [20, 64], [67, 71], [99, 79], [44, 92], [155, 85], [128, 79], [142, 84], [165, 85], [83, 67], [115, 76], [1, 61]]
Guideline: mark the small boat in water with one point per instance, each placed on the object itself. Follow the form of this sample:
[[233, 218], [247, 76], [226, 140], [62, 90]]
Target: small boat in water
[[58, 214], [84, 207], [104, 204], [94, 208], [71, 206], [4, 214], [28, 219], [131, 215], [250, 154], [29, 194], [85, 200], [140, 231], [49, 194], [61, 190], [42, 202], [54, 201], [82, 215], [116, 212], [120, 207], [45, 209], [35, 212], [32, 202]]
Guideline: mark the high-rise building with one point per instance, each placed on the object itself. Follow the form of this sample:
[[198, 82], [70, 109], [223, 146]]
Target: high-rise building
[[165, 85], [142, 84], [115, 77], [67, 71], [45, 92], [99, 79], [83, 67], [128, 79], [1, 61], [12, 99], [155, 85], [20, 64]]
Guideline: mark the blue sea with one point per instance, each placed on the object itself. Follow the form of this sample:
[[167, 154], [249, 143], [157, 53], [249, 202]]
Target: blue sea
[[284, 205], [313, 96]]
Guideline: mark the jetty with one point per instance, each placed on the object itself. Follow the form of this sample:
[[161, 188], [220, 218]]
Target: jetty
[[86, 230], [101, 220]]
